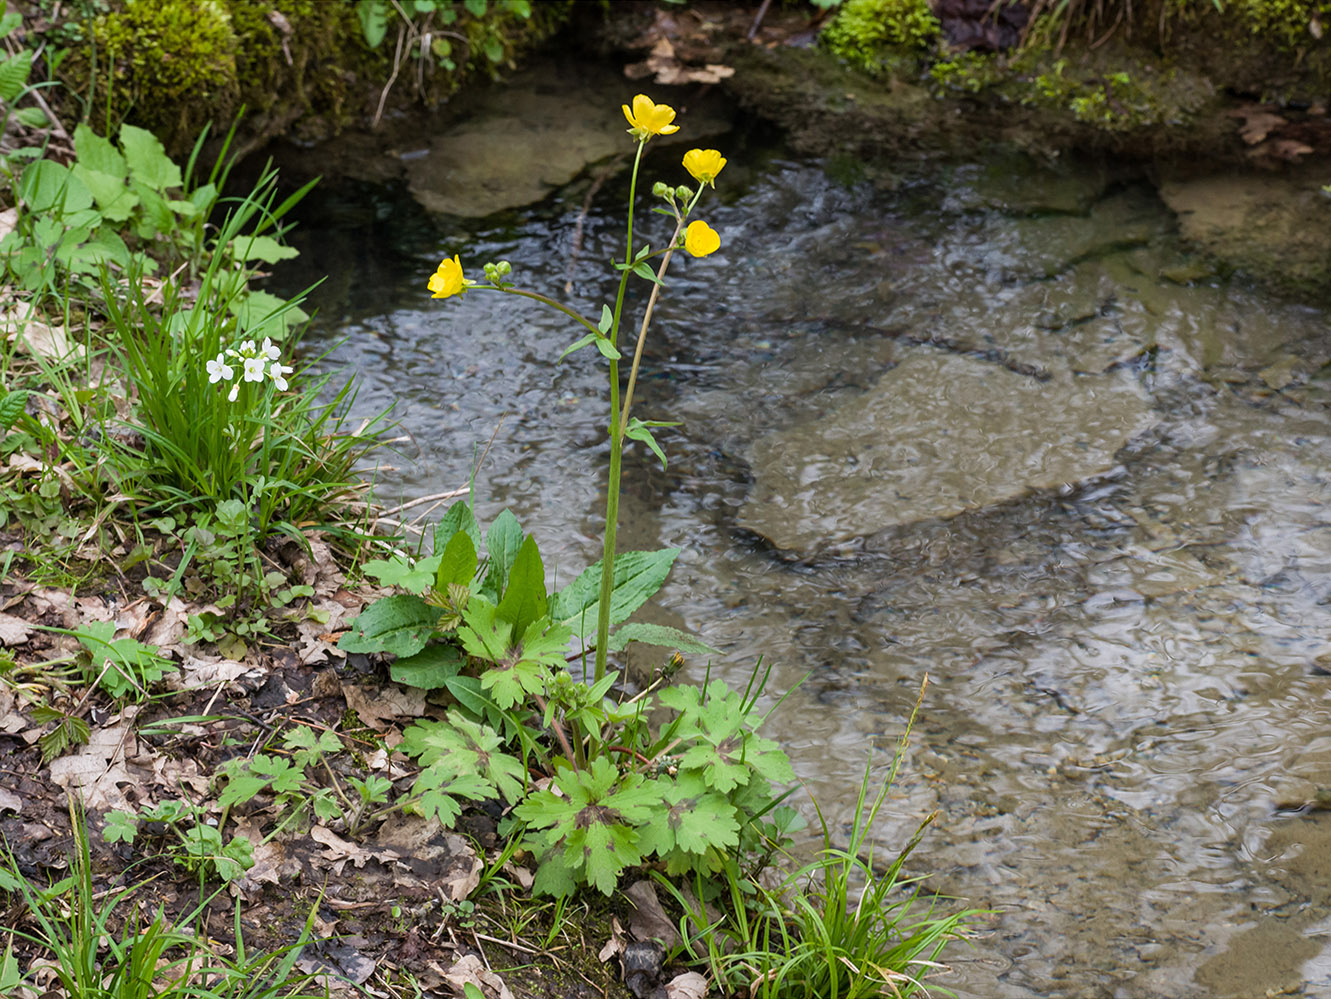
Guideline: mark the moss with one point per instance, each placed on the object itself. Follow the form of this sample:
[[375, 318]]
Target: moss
[[1289, 23], [177, 65], [173, 65], [879, 36]]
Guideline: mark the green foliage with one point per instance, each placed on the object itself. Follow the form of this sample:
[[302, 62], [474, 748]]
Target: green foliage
[[86, 947], [172, 64], [188, 837], [1293, 24], [876, 35], [690, 788]]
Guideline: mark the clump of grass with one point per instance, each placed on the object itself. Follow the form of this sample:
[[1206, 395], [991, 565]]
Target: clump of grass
[[79, 939]]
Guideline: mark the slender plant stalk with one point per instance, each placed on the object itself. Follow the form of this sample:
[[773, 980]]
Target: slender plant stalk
[[616, 449]]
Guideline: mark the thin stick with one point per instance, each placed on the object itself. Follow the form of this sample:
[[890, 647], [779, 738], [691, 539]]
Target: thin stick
[[646, 321], [422, 499]]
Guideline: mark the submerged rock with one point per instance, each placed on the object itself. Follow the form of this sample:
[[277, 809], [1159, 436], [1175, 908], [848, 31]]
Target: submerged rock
[[937, 435]]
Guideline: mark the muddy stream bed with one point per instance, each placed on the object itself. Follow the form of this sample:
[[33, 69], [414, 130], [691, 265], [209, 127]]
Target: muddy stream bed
[[992, 424]]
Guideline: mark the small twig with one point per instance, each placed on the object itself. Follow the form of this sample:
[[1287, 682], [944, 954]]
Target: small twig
[[449, 494], [758, 20], [601, 178], [397, 66]]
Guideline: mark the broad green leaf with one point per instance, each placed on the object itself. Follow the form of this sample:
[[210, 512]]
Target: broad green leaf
[[115, 247], [524, 599], [9, 21], [429, 669], [467, 691], [608, 349], [373, 16], [114, 200], [475, 7], [502, 543], [400, 571], [97, 153], [638, 575], [11, 408], [157, 217], [643, 271], [400, 624], [458, 518], [48, 187], [32, 117], [457, 563], [264, 248], [121, 827], [658, 634], [577, 344], [14, 74], [147, 159], [607, 319]]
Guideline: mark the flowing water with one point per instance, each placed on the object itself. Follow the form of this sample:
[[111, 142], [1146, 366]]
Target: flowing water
[[990, 424]]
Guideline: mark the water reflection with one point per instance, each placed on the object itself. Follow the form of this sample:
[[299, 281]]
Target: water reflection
[[1122, 666]]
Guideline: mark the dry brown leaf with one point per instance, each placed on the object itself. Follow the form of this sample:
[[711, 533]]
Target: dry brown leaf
[[648, 920], [271, 862], [178, 775], [204, 671], [376, 707], [1258, 125], [341, 850], [98, 769], [469, 969], [45, 341], [689, 985], [10, 802], [613, 946], [13, 630], [8, 223]]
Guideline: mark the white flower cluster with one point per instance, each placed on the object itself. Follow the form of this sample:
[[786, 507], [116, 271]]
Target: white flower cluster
[[255, 362]]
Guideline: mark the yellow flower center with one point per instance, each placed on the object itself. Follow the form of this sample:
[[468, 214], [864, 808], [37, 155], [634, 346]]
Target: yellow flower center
[[701, 239], [704, 164], [448, 279], [648, 118]]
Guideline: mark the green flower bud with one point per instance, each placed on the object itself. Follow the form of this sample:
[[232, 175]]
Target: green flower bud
[[504, 268], [683, 193], [659, 190]]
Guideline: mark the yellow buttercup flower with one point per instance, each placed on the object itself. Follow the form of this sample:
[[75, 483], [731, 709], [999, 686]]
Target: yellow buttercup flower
[[448, 279], [701, 239], [704, 164], [649, 118]]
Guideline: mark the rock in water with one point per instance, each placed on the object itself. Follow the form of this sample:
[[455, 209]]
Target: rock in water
[[939, 434]]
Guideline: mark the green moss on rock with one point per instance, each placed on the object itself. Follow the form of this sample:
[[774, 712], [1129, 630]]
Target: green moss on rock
[[878, 35]]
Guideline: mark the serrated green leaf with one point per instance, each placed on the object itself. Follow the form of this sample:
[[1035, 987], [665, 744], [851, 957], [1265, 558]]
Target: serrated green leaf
[[695, 818], [14, 74], [373, 16], [457, 562], [638, 575], [121, 827], [114, 200], [400, 625], [524, 598], [401, 571], [147, 160], [658, 634], [11, 408], [429, 669]]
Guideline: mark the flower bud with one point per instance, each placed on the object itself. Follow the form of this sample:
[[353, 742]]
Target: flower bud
[[659, 190], [504, 268], [683, 193]]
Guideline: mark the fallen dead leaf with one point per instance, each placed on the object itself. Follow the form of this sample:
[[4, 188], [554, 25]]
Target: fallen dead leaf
[[376, 707], [340, 850], [468, 969], [648, 920], [8, 223], [13, 630], [45, 341], [689, 985], [10, 802], [98, 769], [613, 946]]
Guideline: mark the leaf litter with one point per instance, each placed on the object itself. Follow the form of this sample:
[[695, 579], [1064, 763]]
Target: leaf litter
[[385, 900]]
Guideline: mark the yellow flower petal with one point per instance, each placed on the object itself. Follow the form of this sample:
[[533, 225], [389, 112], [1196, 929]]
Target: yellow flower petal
[[448, 279], [704, 164], [648, 118], [701, 239]]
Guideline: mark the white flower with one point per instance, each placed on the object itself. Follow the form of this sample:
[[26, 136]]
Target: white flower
[[279, 371], [219, 370], [253, 369], [247, 348], [235, 390], [270, 350]]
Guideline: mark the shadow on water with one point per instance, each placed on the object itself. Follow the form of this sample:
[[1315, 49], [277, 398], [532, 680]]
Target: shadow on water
[[994, 425]]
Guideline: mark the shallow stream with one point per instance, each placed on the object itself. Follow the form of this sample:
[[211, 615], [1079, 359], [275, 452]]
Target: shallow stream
[[990, 424]]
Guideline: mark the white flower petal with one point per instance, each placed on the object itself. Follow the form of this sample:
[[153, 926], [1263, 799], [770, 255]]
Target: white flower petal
[[235, 390]]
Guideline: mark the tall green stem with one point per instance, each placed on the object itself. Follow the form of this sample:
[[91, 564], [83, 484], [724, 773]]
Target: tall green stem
[[616, 449]]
